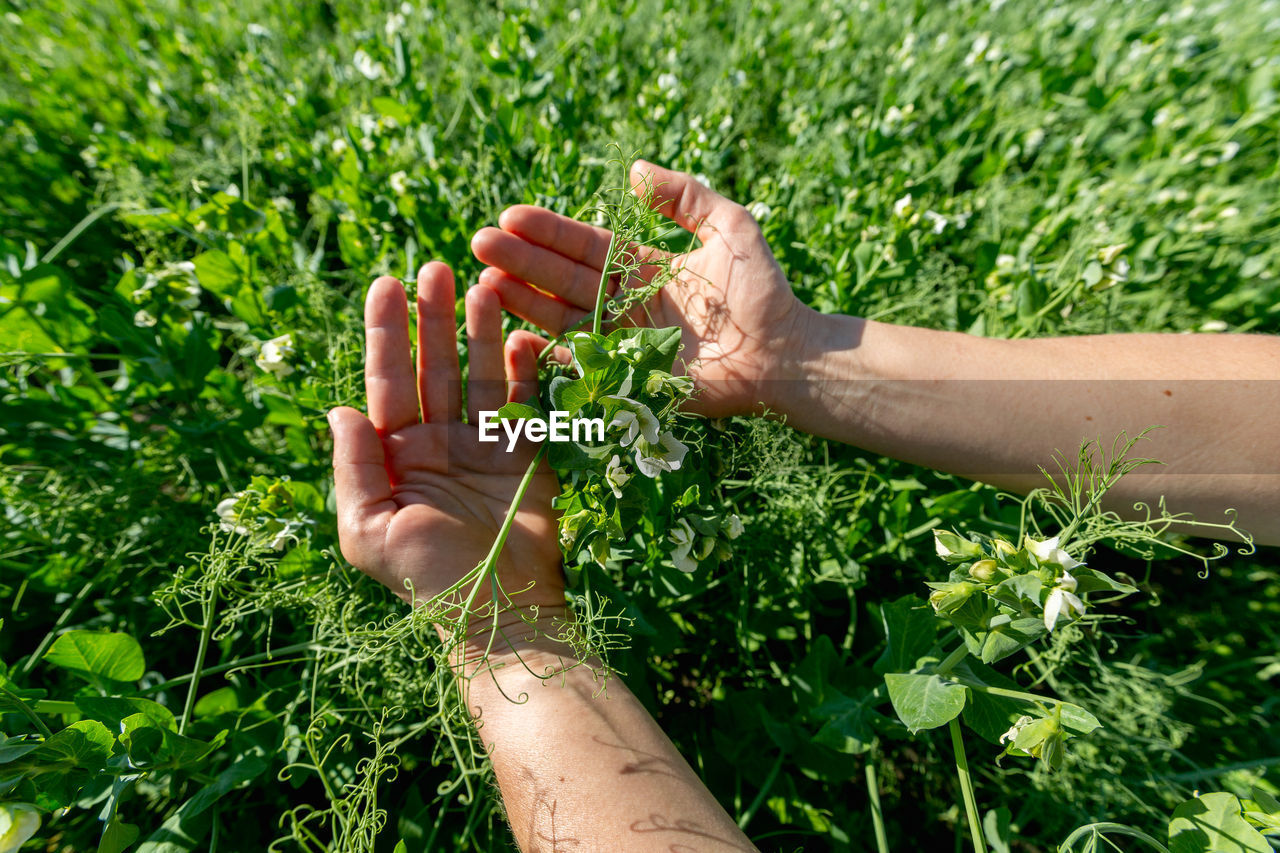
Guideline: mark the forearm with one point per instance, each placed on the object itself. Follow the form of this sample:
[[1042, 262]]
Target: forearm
[[582, 765], [996, 410]]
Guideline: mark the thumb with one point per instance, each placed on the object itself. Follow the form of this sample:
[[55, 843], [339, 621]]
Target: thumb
[[681, 198]]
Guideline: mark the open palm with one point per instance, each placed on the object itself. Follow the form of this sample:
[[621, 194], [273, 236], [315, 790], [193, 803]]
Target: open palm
[[420, 498], [738, 315]]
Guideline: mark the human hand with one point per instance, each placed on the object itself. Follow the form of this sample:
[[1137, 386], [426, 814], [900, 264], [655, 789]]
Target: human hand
[[742, 325], [420, 498]]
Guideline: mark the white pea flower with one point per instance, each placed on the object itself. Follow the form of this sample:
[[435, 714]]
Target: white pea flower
[[635, 420], [732, 526], [936, 220], [228, 516], [18, 822], [616, 475], [144, 318], [902, 206], [683, 537], [399, 182], [365, 64], [1062, 599], [273, 354], [1230, 150], [668, 83], [1047, 551], [667, 454], [339, 146], [759, 211], [1017, 727]]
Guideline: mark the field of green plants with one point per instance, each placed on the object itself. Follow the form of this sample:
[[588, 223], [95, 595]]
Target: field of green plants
[[195, 198]]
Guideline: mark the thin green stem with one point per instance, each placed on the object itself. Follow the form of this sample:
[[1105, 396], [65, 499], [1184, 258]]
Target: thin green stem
[[762, 793], [948, 663], [966, 788], [205, 633], [877, 815], [1118, 828], [597, 316], [26, 710], [235, 664]]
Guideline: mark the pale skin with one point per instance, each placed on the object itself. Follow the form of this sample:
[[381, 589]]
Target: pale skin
[[581, 767], [990, 410]]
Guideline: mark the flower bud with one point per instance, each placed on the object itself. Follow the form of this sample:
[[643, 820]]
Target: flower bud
[[984, 571]]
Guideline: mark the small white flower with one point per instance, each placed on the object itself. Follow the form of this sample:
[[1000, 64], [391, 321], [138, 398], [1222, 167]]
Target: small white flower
[[1012, 734], [759, 211], [732, 526], [339, 145], [144, 318], [399, 182], [1213, 326], [635, 420], [738, 77], [258, 30], [1229, 213], [1005, 263], [1035, 139], [1230, 150], [18, 822], [616, 476], [365, 64], [1119, 271], [683, 537], [1062, 600], [394, 22], [228, 516], [902, 206], [668, 83], [703, 179], [666, 454], [937, 221], [274, 354], [1047, 551]]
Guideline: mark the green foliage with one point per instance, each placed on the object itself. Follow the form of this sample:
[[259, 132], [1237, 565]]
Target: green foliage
[[196, 197]]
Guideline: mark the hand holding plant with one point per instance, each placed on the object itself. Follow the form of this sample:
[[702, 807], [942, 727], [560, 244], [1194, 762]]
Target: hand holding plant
[[421, 501], [738, 317]]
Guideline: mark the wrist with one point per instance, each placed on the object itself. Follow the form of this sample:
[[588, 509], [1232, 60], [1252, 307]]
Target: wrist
[[818, 368]]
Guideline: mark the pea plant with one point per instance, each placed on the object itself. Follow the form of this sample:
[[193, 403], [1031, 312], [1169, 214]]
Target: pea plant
[[1002, 597]]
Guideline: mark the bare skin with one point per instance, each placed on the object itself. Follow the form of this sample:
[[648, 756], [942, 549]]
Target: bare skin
[[420, 500], [992, 410]]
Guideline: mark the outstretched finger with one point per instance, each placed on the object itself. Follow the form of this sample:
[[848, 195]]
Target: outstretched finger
[[522, 352], [388, 364], [486, 380], [576, 282], [439, 382], [678, 196], [541, 309], [362, 486]]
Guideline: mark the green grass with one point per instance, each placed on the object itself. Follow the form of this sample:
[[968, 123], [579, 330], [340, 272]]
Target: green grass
[[243, 138]]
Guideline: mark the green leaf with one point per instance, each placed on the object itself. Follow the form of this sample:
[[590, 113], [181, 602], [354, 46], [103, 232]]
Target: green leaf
[[13, 748], [925, 701], [89, 653], [518, 412], [218, 274], [117, 837], [113, 709], [910, 631], [69, 760], [1077, 720], [1212, 823]]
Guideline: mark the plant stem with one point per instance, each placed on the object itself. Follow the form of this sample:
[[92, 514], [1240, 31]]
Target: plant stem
[[949, 662], [597, 315], [763, 792], [1118, 828], [877, 816], [205, 632], [235, 664], [966, 789], [26, 710]]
